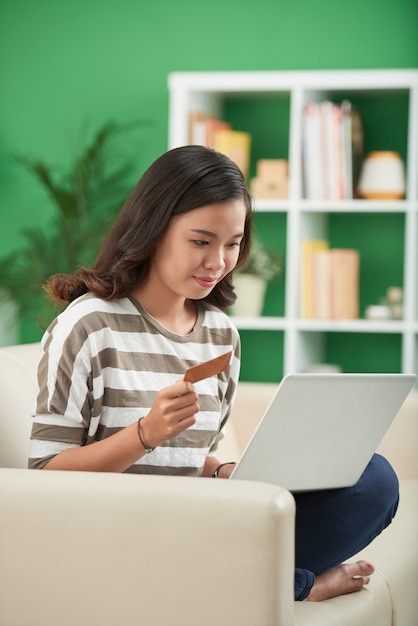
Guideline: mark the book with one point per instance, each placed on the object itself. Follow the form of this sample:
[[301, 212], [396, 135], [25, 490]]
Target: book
[[327, 148], [337, 147], [312, 152], [309, 247], [332, 150], [212, 127], [202, 128], [357, 148], [322, 278], [197, 126], [331, 145], [235, 144], [346, 150], [335, 284], [345, 284]]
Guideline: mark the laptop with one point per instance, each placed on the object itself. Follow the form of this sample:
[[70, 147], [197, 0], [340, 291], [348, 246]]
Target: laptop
[[321, 430]]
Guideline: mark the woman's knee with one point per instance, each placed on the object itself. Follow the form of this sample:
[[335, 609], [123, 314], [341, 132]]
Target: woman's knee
[[380, 483]]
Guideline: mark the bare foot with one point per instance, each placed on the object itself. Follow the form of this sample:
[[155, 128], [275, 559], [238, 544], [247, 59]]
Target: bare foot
[[342, 579]]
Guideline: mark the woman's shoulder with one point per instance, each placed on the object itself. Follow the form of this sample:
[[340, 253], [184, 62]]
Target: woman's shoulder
[[88, 313], [89, 305]]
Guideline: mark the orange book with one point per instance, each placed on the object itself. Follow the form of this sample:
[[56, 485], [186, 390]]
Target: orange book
[[345, 284], [202, 128], [212, 127]]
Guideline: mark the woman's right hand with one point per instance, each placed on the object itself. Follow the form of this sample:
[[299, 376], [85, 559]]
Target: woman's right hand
[[173, 411]]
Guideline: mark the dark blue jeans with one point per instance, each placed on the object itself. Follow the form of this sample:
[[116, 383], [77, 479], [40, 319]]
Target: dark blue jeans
[[332, 526]]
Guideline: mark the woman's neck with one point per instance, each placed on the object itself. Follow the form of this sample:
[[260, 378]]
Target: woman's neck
[[178, 315]]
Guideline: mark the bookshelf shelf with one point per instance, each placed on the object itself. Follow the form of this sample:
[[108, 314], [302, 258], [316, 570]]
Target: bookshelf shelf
[[352, 326], [273, 206], [261, 323], [329, 206], [346, 326], [386, 232], [360, 206]]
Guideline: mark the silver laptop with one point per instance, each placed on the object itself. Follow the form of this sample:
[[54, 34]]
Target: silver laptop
[[321, 430]]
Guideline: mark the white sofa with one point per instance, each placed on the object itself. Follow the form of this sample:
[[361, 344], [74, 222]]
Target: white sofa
[[120, 550]]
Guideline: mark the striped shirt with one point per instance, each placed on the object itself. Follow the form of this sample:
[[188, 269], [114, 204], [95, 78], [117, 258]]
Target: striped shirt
[[102, 365]]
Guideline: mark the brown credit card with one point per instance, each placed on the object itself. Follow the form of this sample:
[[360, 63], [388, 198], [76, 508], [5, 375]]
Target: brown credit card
[[207, 369]]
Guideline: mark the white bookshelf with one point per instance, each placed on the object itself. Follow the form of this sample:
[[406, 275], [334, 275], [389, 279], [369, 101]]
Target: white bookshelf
[[307, 219]]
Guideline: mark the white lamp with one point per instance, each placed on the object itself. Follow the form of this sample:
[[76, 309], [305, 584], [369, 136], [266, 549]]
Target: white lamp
[[382, 176]]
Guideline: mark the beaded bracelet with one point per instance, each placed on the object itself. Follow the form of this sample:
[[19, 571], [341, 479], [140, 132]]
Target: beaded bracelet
[[216, 472], [147, 449]]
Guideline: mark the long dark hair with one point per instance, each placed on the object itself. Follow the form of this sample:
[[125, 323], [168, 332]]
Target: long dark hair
[[179, 181]]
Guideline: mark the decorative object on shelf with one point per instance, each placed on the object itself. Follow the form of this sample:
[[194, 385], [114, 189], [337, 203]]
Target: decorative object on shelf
[[86, 197], [272, 180], [389, 308], [251, 292], [382, 176], [377, 312], [250, 281], [394, 299]]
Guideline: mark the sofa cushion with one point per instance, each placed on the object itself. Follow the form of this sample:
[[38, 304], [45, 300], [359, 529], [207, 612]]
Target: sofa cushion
[[369, 607], [395, 555]]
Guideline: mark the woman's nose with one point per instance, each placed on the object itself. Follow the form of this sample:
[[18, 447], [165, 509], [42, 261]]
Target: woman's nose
[[215, 260]]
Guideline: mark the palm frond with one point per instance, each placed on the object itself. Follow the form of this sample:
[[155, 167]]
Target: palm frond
[[86, 195]]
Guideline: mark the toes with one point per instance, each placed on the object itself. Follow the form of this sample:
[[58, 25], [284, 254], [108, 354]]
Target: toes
[[359, 569], [366, 568], [356, 584]]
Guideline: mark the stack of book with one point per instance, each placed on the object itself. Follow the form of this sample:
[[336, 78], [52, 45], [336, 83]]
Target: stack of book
[[207, 130], [332, 150], [330, 281]]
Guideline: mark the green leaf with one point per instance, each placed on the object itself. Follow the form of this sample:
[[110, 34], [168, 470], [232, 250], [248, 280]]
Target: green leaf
[[86, 195]]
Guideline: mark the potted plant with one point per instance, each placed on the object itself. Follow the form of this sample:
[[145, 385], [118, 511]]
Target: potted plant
[[86, 197], [251, 280]]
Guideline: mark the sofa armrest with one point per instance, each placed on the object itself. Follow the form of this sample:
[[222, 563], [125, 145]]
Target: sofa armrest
[[18, 366], [105, 549]]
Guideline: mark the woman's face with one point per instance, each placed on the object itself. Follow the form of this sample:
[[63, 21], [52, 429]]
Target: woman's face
[[198, 249]]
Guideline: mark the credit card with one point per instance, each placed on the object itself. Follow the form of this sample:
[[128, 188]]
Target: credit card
[[207, 369]]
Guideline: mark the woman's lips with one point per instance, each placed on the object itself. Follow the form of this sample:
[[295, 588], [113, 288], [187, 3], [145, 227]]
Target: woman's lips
[[206, 282]]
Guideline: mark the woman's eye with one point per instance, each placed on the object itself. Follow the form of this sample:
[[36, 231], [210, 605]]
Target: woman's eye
[[234, 244], [200, 242]]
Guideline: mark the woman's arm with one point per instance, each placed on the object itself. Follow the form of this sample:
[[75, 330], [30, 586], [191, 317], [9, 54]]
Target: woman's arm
[[172, 412], [113, 454], [211, 464]]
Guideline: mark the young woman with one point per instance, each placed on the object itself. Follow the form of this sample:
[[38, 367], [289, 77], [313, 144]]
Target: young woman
[[111, 391]]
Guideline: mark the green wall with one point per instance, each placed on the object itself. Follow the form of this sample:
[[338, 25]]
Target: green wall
[[67, 63]]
